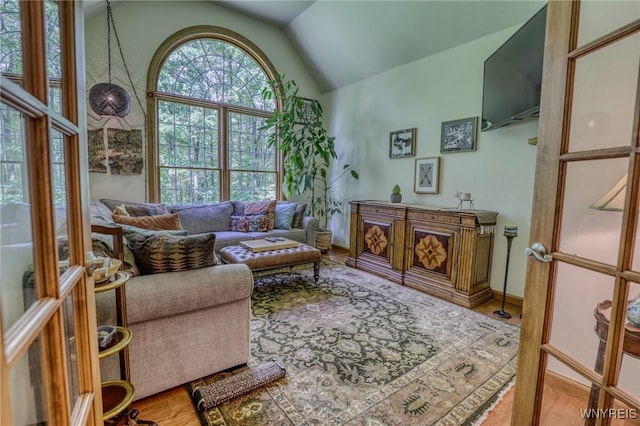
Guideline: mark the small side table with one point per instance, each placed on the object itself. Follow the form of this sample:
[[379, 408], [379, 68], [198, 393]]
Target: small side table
[[630, 345], [117, 394]]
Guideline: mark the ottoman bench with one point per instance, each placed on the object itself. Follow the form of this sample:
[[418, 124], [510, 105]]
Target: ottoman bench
[[273, 259]]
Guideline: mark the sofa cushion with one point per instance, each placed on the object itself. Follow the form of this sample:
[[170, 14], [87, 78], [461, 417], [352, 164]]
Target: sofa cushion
[[262, 207], [136, 209], [170, 253], [284, 215], [198, 219], [99, 211], [249, 223], [169, 221]]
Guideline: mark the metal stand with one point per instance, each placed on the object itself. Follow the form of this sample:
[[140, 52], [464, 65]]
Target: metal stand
[[501, 313]]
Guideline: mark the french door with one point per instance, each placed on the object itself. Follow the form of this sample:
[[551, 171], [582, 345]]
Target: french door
[[576, 337], [48, 350]]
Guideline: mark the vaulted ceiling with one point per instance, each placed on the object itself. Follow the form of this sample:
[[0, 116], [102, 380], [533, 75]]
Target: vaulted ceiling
[[344, 41]]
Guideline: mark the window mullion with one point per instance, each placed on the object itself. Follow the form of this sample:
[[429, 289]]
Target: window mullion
[[223, 154]]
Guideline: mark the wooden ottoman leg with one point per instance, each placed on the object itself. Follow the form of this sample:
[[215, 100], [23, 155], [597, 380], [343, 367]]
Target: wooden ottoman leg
[[316, 271]]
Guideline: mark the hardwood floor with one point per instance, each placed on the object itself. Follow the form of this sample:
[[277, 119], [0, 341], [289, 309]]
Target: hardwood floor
[[174, 406]]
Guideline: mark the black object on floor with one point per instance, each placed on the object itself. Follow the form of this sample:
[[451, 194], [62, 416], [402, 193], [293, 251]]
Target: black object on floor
[[213, 394]]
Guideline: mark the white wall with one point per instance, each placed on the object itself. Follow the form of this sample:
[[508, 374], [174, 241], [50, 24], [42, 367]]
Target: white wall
[[142, 26], [423, 94]]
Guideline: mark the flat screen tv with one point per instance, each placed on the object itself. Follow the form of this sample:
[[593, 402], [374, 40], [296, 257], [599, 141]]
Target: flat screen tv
[[513, 76]]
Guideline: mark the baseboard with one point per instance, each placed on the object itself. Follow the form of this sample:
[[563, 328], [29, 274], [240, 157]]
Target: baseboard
[[567, 386], [510, 299], [579, 391]]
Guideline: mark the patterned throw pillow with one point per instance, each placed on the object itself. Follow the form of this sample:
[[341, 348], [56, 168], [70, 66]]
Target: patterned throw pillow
[[121, 210], [250, 223], [262, 207], [156, 222], [298, 215], [158, 253]]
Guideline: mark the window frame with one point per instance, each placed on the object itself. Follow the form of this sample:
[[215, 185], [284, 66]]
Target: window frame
[[224, 110]]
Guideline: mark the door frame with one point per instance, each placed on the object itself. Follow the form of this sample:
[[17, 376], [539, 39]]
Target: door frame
[[561, 54], [45, 318]]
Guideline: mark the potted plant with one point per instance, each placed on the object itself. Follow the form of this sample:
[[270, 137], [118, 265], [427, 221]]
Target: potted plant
[[307, 150], [396, 196]]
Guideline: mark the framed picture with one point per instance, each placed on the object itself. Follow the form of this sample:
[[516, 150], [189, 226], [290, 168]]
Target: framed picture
[[304, 110], [459, 135], [427, 178], [402, 143]]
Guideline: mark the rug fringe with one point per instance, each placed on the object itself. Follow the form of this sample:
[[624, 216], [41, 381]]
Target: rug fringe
[[495, 403]]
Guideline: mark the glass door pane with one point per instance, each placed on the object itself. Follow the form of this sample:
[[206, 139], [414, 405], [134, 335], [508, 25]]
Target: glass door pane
[[27, 388], [10, 38], [604, 96], [54, 64], [598, 18], [16, 243]]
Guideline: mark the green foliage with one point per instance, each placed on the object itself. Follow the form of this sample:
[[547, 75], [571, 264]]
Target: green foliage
[[307, 149], [396, 189]]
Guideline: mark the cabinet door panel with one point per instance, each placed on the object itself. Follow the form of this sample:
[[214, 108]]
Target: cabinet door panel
[[377, 238], [434, 251]]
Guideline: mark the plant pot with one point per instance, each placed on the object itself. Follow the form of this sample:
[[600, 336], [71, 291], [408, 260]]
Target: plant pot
[[396, 198], [323, 240]]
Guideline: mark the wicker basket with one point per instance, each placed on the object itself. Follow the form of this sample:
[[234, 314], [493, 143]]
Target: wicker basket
[[323, 240]]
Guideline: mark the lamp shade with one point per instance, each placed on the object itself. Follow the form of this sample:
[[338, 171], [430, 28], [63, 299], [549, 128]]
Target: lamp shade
[[109, 99]]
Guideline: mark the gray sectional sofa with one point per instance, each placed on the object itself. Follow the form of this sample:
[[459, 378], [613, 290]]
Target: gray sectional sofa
[[216, 218], [191, 323]]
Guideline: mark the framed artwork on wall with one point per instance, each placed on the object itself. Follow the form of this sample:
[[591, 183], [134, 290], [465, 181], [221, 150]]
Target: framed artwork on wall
[[459, 135], [427, 175], [402, 143], [304, 110]]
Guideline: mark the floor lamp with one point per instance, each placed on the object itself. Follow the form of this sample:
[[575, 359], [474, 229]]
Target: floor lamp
[[510, 231]]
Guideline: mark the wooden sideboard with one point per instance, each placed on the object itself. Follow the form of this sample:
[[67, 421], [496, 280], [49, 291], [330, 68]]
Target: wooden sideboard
[[444, 252]]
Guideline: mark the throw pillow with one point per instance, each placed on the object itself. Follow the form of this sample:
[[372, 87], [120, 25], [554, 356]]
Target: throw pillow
[[156, 222], [250, 223], [171, 253], [121, 210], [284, 215], [102, 246], [99, 211], [137, 209], [299, 215], [262, 207]]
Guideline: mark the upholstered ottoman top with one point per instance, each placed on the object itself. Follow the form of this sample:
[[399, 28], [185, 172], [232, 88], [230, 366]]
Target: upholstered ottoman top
[[273, 258]]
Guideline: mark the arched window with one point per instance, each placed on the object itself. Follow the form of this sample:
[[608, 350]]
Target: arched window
[[206, 113]]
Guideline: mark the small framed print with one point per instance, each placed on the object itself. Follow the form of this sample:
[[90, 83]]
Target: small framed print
[[305, 113], [427, 175], [459, 135], [402, 143]]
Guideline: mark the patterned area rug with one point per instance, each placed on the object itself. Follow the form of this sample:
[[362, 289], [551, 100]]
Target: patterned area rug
[[360, 350]]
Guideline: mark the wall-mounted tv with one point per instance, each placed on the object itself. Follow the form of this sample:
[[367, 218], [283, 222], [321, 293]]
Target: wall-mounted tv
[[513, 76]]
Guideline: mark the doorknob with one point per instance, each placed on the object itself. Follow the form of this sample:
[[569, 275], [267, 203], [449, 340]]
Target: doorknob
[[538, 251]]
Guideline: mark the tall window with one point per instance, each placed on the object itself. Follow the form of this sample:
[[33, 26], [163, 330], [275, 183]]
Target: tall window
[[206, 143]]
